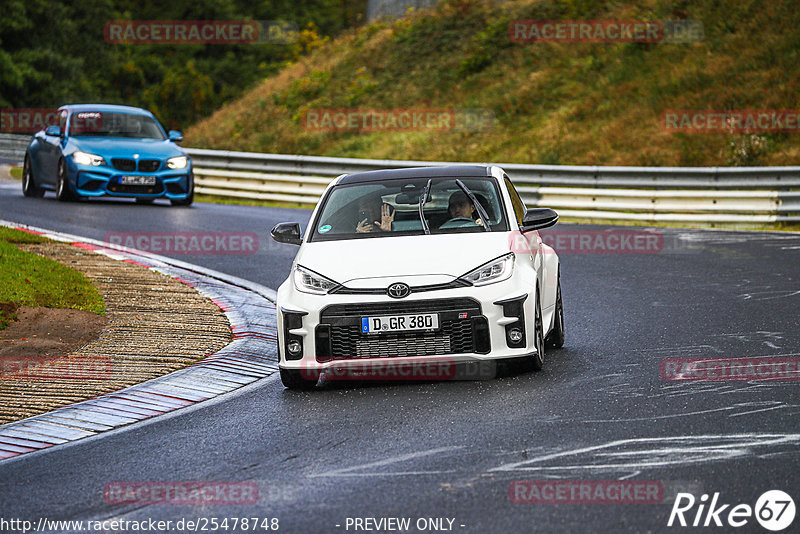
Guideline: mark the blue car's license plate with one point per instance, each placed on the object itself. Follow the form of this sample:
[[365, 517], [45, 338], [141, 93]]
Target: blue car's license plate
[[137, 180]]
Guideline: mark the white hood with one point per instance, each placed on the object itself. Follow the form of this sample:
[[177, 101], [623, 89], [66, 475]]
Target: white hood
[[415, 260]]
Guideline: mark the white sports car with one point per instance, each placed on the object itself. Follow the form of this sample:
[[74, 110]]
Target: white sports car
[[415, 267]]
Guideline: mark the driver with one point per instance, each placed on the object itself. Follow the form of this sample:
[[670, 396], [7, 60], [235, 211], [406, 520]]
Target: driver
[[374, 215], [460, 207]]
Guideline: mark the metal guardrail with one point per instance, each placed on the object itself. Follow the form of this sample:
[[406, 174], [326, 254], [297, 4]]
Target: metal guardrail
[[12, 147], [713, 195], [710, 195]]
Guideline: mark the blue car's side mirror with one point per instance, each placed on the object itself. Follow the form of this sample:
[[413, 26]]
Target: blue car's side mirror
[[54, 131], [175, 136]]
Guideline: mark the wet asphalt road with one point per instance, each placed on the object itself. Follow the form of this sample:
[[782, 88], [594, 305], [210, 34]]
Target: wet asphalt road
[[599, 411]]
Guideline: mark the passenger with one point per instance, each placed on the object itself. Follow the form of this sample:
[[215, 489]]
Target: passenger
[[373, 208]]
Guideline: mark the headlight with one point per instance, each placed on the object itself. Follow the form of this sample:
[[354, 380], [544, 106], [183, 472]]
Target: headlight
[[310, 282], [82, 158], [496, 270], [177, 163]]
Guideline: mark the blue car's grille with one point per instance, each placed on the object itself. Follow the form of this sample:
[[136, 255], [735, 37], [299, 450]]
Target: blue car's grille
[[122, 164], [149, 165], [129, 165]]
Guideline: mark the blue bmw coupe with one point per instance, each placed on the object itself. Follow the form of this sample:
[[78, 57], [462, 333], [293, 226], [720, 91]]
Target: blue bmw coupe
[[109, 150]]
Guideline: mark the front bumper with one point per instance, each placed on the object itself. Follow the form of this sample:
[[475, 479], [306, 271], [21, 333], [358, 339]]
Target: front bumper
[[96, 181], [474, 326]]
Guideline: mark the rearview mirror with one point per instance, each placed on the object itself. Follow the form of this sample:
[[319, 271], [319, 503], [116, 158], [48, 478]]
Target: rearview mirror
[[54, 131], [175, 136], [538, 218], [287, 233]]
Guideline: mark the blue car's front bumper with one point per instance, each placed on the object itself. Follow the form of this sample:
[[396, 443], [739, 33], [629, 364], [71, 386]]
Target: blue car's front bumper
[[95, 181]]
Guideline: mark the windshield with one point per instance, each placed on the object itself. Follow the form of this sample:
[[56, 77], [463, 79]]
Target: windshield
[[392, 208], [104, 124]]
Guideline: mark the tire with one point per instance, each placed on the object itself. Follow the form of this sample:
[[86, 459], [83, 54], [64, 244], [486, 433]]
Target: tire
[[188, 200], [144, 200], [555, 339], [537, 360], [63, 191], [29, 188], [293, 379]]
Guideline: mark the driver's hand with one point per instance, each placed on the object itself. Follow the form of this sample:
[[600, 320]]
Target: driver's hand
[[387, 216], [478, 221], [364, 227]]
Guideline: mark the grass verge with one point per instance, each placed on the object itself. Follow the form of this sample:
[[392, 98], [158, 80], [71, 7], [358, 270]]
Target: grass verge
[[16, 172], [30, 280]]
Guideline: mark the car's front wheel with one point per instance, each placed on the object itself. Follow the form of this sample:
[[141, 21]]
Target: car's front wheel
[[537, 361], [296, 379], [556, 337], [29, 187], [63, 191]]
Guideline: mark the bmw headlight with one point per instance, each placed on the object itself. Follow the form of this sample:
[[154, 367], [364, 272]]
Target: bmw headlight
[[179, 162], [83, 158], [308, 281], [496, 270]]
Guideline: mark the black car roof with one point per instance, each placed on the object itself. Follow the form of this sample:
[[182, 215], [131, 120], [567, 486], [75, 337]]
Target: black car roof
[[450, 171]]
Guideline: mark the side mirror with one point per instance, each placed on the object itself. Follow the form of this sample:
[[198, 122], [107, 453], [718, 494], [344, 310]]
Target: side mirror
[[54, 131], [175, 136], [538, 218], [287, 233]]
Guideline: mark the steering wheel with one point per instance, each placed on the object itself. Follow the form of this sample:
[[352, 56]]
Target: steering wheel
[[459, 222]]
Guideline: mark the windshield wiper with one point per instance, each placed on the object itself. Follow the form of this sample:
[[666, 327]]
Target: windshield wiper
[[422, 200], [481, 212]]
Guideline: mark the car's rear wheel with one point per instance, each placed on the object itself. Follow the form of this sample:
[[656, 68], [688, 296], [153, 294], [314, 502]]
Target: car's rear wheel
[[63, 191], [144, 200], [189, 199], [555, 339], [296, 380], [29, 188]]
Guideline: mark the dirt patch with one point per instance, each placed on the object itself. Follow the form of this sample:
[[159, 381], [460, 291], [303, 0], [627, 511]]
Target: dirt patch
[[47, 332]]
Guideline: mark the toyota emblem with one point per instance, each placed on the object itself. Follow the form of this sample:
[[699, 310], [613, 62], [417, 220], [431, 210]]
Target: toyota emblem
[[398, 290]]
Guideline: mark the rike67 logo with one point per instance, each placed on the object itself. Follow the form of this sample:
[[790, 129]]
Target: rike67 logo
[[774, 510]]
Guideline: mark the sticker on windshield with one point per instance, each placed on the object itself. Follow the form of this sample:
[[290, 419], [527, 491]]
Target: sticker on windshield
[[324, 228]]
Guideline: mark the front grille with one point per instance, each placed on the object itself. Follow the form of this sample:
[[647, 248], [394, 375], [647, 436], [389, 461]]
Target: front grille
[[401, 307], [339, 335], [122, 164], [149, 165]]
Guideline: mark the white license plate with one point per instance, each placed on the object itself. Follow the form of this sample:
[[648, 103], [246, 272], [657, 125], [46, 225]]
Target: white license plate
[[399, 323], [138, 180]]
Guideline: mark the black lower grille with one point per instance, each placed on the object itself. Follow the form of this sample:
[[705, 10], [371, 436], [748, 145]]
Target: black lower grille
[[339, 334], [135, 189]]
